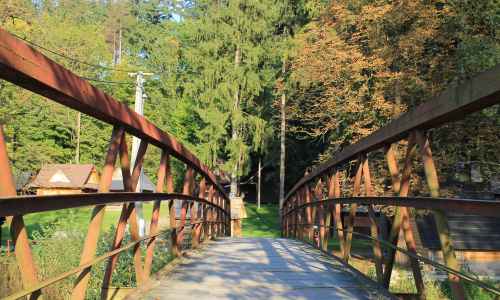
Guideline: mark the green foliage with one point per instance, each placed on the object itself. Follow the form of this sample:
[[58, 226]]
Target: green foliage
[[263, 222], [230, 58], [364, 62], [58, 242]]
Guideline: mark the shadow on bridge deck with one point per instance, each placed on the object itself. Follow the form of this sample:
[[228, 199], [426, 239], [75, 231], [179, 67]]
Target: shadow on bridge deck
[[260, 268]]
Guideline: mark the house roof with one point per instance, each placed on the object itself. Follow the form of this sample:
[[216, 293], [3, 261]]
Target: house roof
[[64, 176], [117, 182], [22, 180]]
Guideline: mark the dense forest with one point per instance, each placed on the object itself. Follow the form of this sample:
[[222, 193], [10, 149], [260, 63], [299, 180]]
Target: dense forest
[[222, 69]]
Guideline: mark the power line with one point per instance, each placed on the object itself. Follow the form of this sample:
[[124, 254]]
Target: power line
[[108, 81], [71, 58]]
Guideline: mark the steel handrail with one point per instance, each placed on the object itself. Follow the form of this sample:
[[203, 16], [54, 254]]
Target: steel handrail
[[20, 205], [26, 67], [478, 92]]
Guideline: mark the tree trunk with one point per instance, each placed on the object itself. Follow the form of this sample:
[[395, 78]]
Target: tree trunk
[[259, 182], [283, 146], [117, 45], [234, 173]]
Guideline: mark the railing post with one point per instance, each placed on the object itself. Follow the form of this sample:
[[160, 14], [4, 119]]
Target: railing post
[[219, 215], [334, 192], [194, 210], [200, 212], [439, 216], [303, 216], [210, 212], [296, 216], [186, 190], [308, 228], [18, 231], [352, 211], [402, 219], [396, 224], [90, 244], [124, 216], [153, 228], [377, 251], [320, 214], [134, 226], [300, 215]]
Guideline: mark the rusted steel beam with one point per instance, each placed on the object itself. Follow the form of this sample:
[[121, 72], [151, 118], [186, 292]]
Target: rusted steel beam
[[352, 211], [392, 164], [439, 216], [30, 69], [192, 222], [18, 231], [402, 187], [186, 190], [490, 208], [336, 193], [122, 221], [32, 204], [217, 216], [374, 228], [127, 215], [402, 221], [320, 214], [198, 214], [481, 91], [153, 228], [210, 213], [90, 244], [133, 218], [405, 220]]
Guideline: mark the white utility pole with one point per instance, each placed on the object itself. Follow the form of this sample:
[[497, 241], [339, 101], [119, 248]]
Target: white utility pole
[[139, 108]]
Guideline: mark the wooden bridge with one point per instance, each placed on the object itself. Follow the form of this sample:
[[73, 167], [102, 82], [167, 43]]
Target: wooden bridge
[[298, 266]]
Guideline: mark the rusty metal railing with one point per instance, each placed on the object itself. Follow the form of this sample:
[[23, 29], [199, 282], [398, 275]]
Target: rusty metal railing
[[209, 208], [310, 203]]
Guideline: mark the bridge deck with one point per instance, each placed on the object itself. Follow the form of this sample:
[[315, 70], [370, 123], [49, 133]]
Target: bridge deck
[[261, 268]]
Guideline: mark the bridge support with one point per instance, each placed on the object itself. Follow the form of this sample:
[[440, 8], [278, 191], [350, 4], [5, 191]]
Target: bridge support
[[401, 219], [90, 244], [439, 216], [18, 231]]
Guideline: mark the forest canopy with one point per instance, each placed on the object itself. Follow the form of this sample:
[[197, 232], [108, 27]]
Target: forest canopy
[[221, 69]]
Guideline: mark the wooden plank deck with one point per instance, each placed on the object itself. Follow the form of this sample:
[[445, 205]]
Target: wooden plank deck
[[260, 268]]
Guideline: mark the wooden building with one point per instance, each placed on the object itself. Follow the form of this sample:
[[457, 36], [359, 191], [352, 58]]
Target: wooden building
[[57, 179], [117, 183]]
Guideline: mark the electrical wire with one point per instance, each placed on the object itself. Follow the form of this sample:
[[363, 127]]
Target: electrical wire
[[107, 81], [73, 59]]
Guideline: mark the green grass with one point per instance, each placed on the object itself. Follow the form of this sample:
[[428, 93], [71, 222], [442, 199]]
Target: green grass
[[80, 217], [263, 222]]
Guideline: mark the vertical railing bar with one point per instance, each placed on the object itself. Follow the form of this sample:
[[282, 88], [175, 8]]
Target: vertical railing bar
[[153, 228], [377, 250], [134, 226], [320, 213], [90, 244], [124, 216], [338, 213], [308, 209], [396, 224], [352, 211], [404, 222], [439, 216], [22, 249], [186, 190], [198, 214], [192, 212]]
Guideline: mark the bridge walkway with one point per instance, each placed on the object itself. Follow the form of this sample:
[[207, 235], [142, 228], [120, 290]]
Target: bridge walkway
[[262, 268]]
